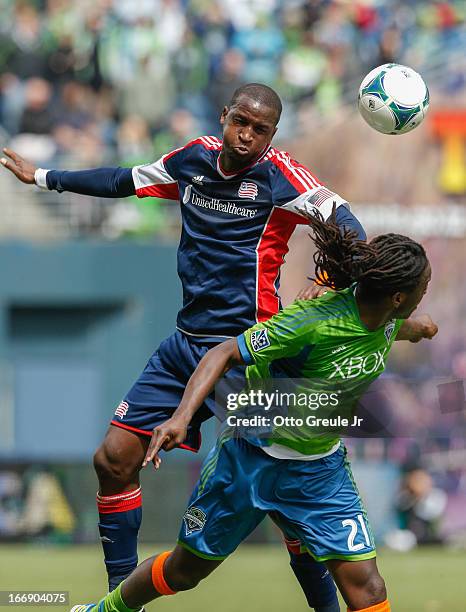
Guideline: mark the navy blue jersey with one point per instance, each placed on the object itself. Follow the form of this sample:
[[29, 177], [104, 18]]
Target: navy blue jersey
[[235, 230]]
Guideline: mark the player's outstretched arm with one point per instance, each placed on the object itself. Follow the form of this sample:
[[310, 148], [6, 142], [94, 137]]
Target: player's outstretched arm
[[415, 329], [99, 182], [212, 366]]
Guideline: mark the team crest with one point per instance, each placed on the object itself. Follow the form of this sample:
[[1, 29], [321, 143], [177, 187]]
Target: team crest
[[194, 520], [259, 340], [248, 190], [388, 331]]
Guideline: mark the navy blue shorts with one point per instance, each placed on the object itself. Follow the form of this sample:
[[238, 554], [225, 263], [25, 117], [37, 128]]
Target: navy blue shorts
[[159, 389]]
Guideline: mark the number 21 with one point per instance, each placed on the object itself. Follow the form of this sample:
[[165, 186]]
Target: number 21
[[354, 530]]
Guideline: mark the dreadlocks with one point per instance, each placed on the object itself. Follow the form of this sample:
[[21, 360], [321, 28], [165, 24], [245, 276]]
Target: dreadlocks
[[387, 264]]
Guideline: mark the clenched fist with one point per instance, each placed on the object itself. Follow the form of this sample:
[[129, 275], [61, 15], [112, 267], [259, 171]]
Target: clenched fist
[[415, 329], [428, 327]]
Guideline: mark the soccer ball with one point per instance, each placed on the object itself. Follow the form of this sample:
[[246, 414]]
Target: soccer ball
[[393, 99]]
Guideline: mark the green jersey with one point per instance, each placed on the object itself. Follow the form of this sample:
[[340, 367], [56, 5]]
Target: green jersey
[[323, 340]]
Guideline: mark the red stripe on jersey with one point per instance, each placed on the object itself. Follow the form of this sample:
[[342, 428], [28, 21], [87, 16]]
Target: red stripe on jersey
[[297, 174], [209, 142], [272, 247], [169, 191], [175, 151]]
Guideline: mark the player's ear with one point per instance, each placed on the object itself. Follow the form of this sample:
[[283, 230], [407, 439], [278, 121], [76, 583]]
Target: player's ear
[[224, 114], [398, 299]]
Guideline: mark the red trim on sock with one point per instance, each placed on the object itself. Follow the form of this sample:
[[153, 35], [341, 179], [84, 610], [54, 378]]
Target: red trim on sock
[[130, 500], [149, 433], [294, 546]]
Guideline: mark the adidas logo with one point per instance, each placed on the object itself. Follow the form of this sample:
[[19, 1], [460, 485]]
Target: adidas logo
[[198, 180]]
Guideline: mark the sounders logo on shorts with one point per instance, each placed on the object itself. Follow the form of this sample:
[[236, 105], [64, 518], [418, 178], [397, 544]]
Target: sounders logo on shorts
[[194, 520], [259, 340]]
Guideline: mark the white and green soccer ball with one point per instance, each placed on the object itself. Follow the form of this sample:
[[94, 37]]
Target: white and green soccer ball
[[393, 99]]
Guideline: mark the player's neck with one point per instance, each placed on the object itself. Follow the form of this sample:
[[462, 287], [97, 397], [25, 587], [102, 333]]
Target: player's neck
[[373, 315], [229, 164]]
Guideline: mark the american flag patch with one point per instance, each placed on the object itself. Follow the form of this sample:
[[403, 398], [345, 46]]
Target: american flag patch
[[122, 409], [320, 196], [247, 190]]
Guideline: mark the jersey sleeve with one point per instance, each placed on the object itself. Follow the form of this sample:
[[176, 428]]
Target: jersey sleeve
[[98, 182], [160, 178], [284, 335], [296, 189]]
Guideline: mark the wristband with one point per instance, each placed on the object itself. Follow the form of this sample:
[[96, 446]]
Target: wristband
[[40, 178]]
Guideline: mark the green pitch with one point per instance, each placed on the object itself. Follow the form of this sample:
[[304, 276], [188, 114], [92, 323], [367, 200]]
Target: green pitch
[[255, 579]]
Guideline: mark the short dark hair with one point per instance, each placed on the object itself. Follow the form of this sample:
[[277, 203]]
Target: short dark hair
[[260, 93]]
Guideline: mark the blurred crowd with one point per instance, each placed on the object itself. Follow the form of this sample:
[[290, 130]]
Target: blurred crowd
[[96, 81], [118, 82]]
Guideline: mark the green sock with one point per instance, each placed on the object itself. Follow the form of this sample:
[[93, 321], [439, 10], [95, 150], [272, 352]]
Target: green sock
[[113, 602]]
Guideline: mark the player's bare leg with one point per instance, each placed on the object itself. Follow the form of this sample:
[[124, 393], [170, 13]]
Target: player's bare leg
[[360, 584], [181, 571], [117, 463], [160, 575]]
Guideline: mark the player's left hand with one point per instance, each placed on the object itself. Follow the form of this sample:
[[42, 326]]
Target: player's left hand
[[167, 436], [312, 291], [22, 169]]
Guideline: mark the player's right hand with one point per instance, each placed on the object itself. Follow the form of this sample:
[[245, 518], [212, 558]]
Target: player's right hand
[[429, 328], [167, 436], [22, 169]]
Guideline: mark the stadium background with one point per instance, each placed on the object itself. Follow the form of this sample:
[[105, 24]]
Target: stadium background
[[114, 82]]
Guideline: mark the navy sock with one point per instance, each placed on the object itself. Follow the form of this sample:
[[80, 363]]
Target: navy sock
[[316, 582], [119, 521]]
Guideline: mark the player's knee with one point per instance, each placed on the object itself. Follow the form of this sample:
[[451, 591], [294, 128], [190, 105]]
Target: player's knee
[[375, 589], [183, 571], [363, 585], [110, 465]]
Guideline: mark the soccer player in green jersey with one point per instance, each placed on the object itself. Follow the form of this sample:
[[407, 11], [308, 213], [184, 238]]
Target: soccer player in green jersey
[[305, 484]]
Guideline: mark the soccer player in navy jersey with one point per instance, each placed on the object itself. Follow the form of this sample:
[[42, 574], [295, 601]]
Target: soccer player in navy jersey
[[240, 200]]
